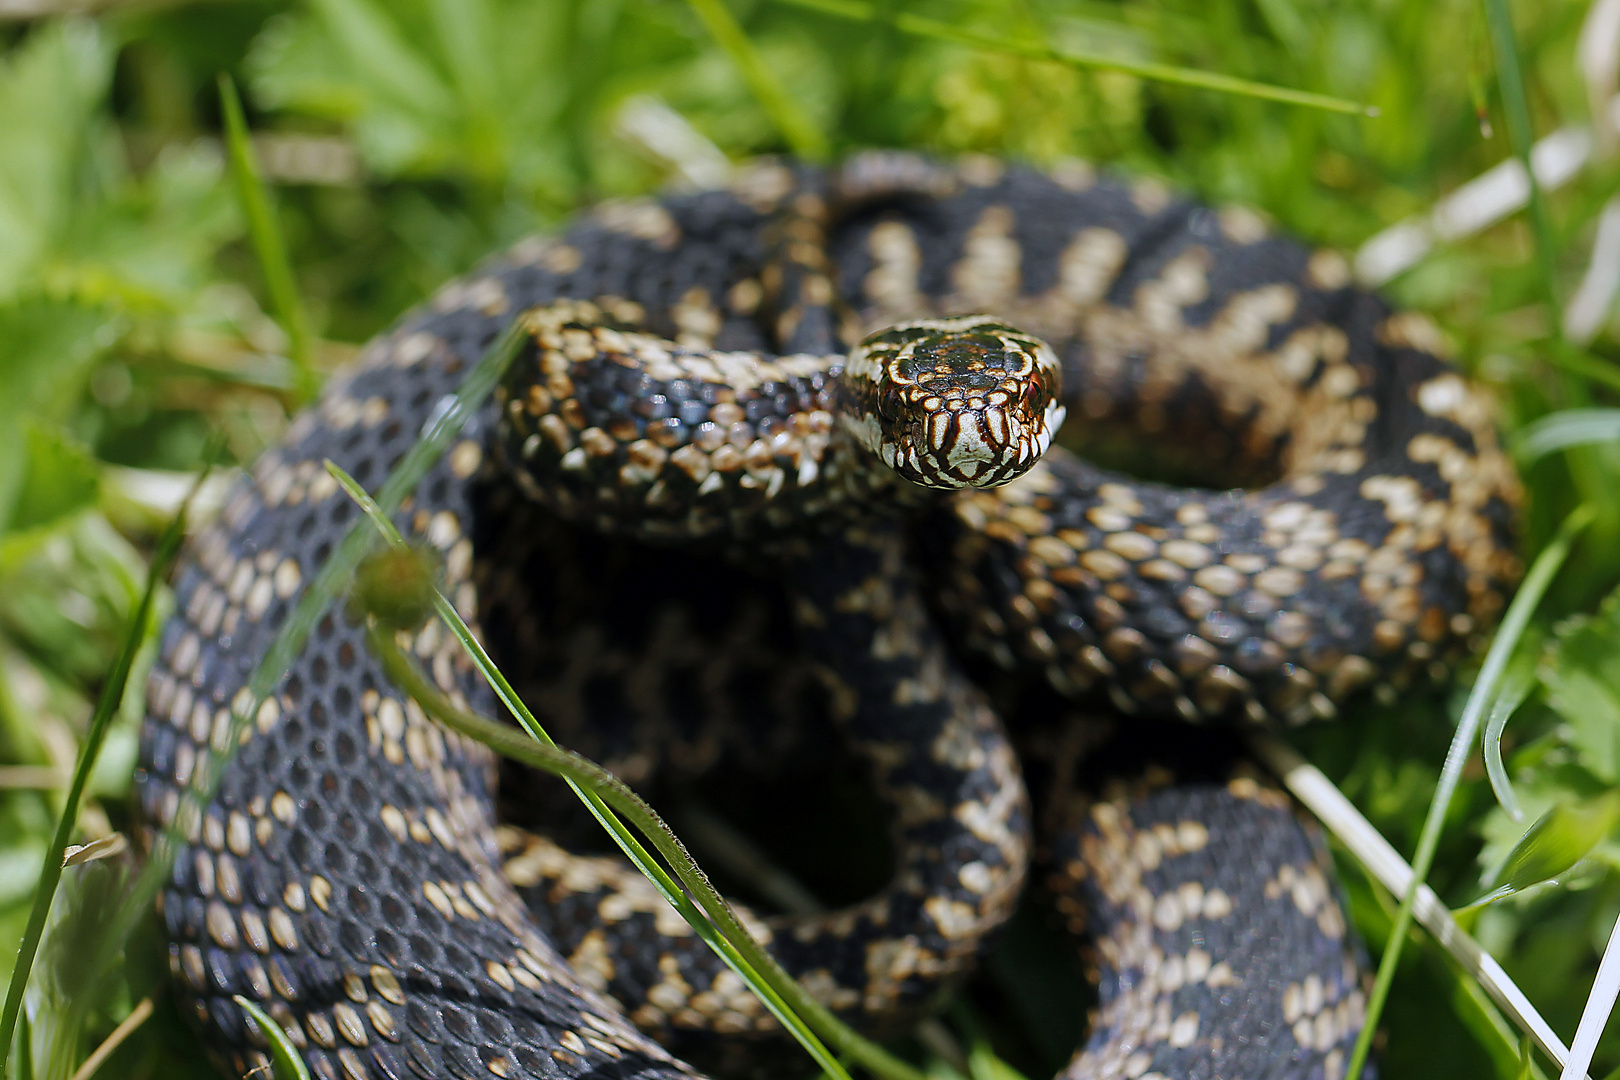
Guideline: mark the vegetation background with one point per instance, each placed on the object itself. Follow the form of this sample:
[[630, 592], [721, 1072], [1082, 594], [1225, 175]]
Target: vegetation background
[[404, 139]]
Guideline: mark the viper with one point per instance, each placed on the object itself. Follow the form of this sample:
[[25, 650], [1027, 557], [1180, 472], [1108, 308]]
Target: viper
[[798, 433]]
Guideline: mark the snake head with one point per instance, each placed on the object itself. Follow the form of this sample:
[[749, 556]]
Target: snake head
[[952, 403]]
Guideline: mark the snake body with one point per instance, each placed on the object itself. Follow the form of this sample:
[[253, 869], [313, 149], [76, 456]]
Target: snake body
[[689, 377]]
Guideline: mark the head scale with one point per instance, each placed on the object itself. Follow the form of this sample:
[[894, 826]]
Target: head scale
[[953, 403]]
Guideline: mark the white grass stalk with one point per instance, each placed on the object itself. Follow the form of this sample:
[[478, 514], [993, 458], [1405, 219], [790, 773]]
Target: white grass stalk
[[1589, 308], [1598, 52], [1563, 430], [1355, 832], [1599, 1006], [1494, 194]]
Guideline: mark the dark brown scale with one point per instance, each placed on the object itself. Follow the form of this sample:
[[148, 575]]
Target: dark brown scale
[[372, 903]]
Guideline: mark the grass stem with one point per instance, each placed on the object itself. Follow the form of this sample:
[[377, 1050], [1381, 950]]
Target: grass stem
[[921, 26], [126, 1027], [801, 133], [268, 243], [1516, 113], [328, 582], [715, 923], [1535, 584], [107, 704]]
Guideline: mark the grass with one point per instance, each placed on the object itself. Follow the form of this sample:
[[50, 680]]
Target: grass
[[140, 310]]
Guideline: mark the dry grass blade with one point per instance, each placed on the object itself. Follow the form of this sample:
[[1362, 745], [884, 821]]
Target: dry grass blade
[[1486, 686], [38, 777], [1502, 190], [1594, 297], [1599, 1005], [126, 1027], [1356, 833]]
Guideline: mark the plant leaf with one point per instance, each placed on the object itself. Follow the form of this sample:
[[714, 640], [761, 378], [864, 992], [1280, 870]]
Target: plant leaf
[[59, 478], [1559, 839], [50, 89], [284, 1060], [46, 348], [1581, 672]]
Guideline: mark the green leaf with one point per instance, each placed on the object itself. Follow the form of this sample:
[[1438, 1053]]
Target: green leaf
[[352, 60], [285, 1063], [1581, 672], [60, 478], [1541, 790], [46, 349], [264, 226], [474, 91], [1559, 839], [149, 243], [50, 89]]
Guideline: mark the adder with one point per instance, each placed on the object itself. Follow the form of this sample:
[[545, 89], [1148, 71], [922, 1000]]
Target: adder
[[795, 433]]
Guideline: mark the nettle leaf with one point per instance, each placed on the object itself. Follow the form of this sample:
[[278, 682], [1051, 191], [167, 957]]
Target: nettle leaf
[[352, 60], [50, 89], [473, 89], [46, 349], [59, 478], [151, 243], [1581, 671]]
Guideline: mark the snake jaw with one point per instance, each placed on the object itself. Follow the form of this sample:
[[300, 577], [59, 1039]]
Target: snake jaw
[[954, 403]]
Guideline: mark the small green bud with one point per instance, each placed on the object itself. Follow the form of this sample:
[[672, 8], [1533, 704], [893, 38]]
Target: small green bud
[[395, 586]]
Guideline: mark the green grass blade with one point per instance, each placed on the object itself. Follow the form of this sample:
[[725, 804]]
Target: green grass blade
[[1381, 862], [25, 1051], [326, 585], [285, 1061], [1542, 571], [801, 133], [920, 26], [1563, 430], [604, 794], [1516, 112], [716, 923], [268, 243], [1516, 686], [112, 695]]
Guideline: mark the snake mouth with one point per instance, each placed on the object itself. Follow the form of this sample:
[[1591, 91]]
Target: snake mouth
[[954, 403]]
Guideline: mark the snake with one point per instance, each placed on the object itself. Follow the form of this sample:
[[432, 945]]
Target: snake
[[782, 458]]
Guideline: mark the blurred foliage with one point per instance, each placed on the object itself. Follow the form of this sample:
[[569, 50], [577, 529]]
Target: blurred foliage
[[408, 138]]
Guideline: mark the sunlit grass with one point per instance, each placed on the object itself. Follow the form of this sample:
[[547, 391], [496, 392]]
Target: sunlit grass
[[126, 332]]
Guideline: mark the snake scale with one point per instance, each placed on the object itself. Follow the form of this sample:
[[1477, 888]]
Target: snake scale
[[688, 523]]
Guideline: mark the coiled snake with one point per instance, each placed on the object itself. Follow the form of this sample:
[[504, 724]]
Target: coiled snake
[[688, 377]]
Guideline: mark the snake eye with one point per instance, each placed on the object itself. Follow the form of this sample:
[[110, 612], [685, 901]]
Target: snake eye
[[953, 403]]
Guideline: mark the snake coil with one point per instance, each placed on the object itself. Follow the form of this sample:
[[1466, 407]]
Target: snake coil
[[688, 376]]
